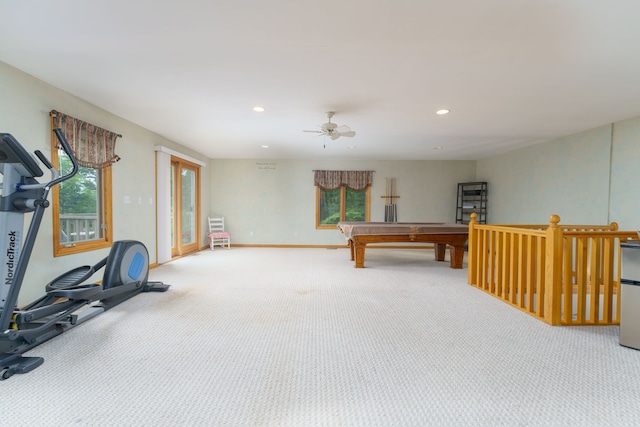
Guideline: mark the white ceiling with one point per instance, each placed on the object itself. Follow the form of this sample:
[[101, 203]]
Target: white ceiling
[[513, 73]]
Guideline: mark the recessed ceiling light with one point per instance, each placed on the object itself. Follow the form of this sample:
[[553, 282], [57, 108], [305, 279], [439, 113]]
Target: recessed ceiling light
[[437, 147], [258, 109], [264, 146], [351, 147], [442, 111]]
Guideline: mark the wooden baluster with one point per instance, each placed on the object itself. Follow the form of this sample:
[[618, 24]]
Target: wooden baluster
[[608, 249], [531, 255], [568, 280], [513, 256], [506, 265], [522, 269], [595, 279], [582, 261]]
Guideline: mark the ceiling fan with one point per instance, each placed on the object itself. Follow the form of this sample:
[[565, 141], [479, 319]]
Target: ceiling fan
[[332, 130]]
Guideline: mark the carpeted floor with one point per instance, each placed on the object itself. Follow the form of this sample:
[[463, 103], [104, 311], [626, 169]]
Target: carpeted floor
[[299, 337]]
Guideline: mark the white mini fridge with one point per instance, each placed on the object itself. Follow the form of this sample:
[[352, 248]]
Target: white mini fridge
[[630, 295]]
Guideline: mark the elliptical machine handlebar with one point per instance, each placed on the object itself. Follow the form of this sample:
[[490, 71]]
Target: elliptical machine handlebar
[[54, 172], [68, 151]]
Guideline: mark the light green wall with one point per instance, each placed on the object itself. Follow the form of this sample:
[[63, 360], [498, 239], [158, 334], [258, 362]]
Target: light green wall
[[25, 103], [569, 176], [625, 174], [276, 199]]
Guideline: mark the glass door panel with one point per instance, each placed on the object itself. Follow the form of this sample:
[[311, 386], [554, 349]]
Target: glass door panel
[[184, 207], [188, 206], [172, 208]]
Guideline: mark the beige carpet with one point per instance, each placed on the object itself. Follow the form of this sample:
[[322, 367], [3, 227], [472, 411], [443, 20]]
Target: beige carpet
[[299, 337]]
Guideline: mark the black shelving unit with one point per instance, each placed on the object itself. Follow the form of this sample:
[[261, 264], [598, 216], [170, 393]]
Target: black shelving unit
[[472, 197]]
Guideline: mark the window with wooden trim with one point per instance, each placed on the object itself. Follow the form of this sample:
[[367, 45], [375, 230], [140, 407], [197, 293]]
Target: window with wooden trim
[[342, 196], [81, 206], [341, 204]]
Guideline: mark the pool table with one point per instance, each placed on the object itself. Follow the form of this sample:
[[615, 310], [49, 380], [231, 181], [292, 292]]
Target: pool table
[[441, 234]]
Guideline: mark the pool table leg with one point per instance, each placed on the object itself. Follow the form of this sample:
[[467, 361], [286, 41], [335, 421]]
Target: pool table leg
[[457, 256], [456, 253], [359, 255]]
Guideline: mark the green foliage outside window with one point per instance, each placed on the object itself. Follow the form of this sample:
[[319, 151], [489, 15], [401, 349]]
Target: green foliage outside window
[[331, 209], [79, 203], [78, 195], [356, 205]]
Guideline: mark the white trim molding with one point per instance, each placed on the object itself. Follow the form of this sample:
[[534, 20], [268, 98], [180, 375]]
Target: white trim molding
[[174, 153]]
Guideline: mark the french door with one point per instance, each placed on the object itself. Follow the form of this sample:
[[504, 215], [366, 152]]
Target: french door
[[185, 202]]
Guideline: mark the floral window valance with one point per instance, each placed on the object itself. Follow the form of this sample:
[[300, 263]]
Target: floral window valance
[[330, 180], [93, 146]]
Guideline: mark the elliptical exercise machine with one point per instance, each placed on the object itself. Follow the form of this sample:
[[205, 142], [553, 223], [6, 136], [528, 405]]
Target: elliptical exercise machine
[[67, 301]]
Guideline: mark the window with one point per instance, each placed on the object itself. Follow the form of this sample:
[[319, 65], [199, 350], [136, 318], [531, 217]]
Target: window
[[341, 196], [81, 206], [341, 204]]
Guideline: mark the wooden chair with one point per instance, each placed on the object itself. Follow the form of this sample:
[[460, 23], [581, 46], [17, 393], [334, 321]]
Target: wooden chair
[[217, 235]]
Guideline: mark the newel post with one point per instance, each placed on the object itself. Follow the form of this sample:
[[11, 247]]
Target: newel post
[[553, 272], [472, 253]]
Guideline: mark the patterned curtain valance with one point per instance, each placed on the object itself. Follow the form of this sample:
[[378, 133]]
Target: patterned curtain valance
[[93, 147], [330, 180]]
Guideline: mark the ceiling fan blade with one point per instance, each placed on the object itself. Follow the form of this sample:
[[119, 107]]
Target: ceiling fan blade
[[334, 136], [349, 134], [343, 128], [313, 131]]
